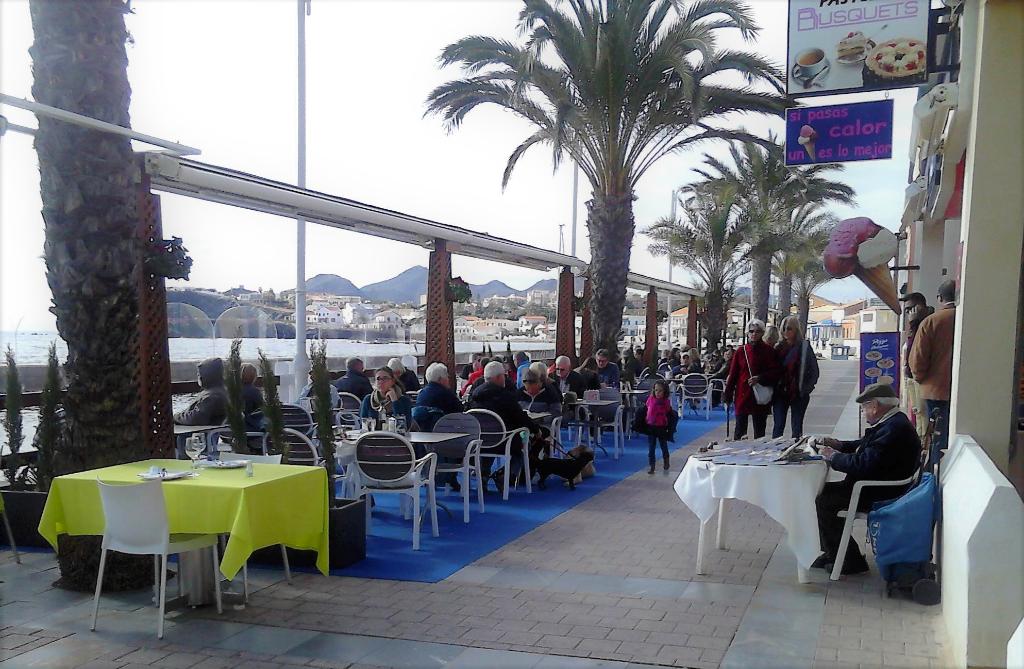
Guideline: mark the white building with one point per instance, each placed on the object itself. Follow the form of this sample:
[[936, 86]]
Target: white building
[[387, 319], [356, 313], [544, 298], [327, 315]]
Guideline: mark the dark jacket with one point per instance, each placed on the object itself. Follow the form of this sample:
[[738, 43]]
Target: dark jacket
[[252, 405], [549, 396], [355, 383], [632, 367], [888, 451], [409, 380], [504, 403], [210, 406], [574, 382], [609, 376], [590, 380], [402, 407], [799, 376], [436, 396]]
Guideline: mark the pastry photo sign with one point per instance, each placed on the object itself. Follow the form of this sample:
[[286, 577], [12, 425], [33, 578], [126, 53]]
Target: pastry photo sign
[[856, 45]]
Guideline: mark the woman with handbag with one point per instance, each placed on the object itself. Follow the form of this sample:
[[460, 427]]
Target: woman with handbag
[[752, 376], [799, 376]]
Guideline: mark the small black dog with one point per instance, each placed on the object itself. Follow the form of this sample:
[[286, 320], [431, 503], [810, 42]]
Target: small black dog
[[566, 468]]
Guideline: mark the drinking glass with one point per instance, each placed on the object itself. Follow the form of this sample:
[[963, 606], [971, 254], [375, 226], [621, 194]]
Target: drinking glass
[[400, 425], [367, 424], [194, 449]]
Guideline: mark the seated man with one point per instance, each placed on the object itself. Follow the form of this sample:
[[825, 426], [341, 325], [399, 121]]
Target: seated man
[[537, 395], [888, 451], [494, 396], [210, 407], [438, 394], [607, 371], [354, 382], [307, 393], [566, 379]]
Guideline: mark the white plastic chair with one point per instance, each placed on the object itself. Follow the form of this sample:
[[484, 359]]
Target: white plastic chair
[[498, 442], [387, 464], [135, 522], [348, 413], [695, 391], [468, 450], [611, 417], [851, 513]]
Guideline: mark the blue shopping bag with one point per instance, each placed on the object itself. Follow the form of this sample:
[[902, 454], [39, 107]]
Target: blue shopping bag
[[900, 530]]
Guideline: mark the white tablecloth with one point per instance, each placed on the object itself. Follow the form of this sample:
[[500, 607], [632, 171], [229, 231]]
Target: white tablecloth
[[785, 492]]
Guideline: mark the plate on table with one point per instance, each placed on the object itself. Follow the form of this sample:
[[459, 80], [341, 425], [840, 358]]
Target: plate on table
[[222, 464], [165, 475]]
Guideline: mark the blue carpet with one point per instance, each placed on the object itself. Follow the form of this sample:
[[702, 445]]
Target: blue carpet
[[389, 553]]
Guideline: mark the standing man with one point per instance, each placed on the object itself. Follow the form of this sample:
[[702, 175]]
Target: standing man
[[607, 371], [522, 364], [931, 361]]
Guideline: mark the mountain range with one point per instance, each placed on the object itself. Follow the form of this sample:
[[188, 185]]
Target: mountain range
[[409, 285]]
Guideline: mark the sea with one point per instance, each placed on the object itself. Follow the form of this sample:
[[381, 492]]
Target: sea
[[31, 348]]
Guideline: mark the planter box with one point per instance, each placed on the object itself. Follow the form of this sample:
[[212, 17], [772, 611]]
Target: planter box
[[347, 539], [24, 508]]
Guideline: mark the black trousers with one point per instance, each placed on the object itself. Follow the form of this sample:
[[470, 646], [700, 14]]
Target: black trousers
[[835, 497], [760, 425], [652, 441]]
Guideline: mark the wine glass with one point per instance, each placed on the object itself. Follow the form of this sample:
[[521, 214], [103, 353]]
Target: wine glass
[[194, 449]]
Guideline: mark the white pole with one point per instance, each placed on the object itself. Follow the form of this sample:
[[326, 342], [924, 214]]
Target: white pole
[[668, 296], [300, 364], [575, 201]]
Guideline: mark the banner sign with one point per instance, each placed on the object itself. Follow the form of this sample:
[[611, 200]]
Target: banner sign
[[880, 359], [839, 133], [855, 45]]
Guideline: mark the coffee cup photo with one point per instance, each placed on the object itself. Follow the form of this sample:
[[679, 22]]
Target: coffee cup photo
[[809, 63]]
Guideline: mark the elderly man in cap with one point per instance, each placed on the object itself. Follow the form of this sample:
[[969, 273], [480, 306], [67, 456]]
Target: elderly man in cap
[[888, 451]]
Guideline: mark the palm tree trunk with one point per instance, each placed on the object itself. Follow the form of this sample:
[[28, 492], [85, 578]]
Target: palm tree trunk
[[611, 225], [760, 281], [804, 308], [87, 185], [714, 318], [785, 294]]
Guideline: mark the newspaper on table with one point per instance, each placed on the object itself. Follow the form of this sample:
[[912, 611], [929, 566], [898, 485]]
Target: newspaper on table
[[756, 452]]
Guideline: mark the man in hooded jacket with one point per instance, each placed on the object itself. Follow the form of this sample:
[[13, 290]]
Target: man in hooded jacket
[[210, 406]]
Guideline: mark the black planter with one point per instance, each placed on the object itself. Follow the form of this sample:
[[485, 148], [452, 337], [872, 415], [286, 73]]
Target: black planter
[[347, 526], [24, 508]]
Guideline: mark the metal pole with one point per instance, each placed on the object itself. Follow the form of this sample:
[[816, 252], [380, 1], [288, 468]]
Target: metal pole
[[575, 201], [668, 298], [300, 364]]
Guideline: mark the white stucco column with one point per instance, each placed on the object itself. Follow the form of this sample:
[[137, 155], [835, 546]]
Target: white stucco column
[[983, 395]]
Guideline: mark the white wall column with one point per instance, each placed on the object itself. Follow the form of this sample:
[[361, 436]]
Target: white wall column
[[993, 236]]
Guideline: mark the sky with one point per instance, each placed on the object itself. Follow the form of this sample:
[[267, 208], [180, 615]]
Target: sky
[[221, 76]]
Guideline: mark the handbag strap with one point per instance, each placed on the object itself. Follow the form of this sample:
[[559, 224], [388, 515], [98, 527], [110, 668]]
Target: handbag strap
[[746, 355]]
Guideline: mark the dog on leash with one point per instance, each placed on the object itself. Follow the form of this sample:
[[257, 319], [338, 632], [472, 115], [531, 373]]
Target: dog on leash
[[566, 468]]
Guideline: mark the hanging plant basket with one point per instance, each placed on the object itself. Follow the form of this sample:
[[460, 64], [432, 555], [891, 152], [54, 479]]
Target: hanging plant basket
[[168, 258], [459, 291], [662, 315], [579, 304]]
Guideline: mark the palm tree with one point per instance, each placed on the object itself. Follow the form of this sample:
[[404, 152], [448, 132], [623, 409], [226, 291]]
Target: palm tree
[[92, 251], [810, 223], [616, 85], [708, 242], [810, 276], [770, 193]]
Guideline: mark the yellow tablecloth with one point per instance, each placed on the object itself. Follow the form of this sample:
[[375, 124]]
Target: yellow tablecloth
[[280, 504]]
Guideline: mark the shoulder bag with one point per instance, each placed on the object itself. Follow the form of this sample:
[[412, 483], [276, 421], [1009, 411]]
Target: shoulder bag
[[762, 393]]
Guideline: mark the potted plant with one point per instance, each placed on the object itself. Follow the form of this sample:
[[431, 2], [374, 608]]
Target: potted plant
[[273, 415], [30, 473], [236, 405]]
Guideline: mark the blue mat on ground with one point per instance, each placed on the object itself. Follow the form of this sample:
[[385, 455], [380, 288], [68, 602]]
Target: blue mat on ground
[[389, 553]]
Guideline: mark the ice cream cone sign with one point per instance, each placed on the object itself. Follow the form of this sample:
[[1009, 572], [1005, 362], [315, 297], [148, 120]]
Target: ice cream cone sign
[[808, 137], [860, 247]]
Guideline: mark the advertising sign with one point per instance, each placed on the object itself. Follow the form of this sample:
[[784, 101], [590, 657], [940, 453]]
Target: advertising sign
[[855, 45], [839, 133], [880, 359]]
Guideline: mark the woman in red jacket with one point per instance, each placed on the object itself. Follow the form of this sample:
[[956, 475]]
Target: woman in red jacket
[[753, 363]]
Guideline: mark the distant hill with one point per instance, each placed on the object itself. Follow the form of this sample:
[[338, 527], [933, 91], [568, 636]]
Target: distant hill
[[332, 284], [406, 287], [492, 289], [551, 285]]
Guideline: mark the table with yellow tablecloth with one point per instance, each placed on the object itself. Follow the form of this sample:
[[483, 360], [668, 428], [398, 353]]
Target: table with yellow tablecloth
[[280, 504]]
